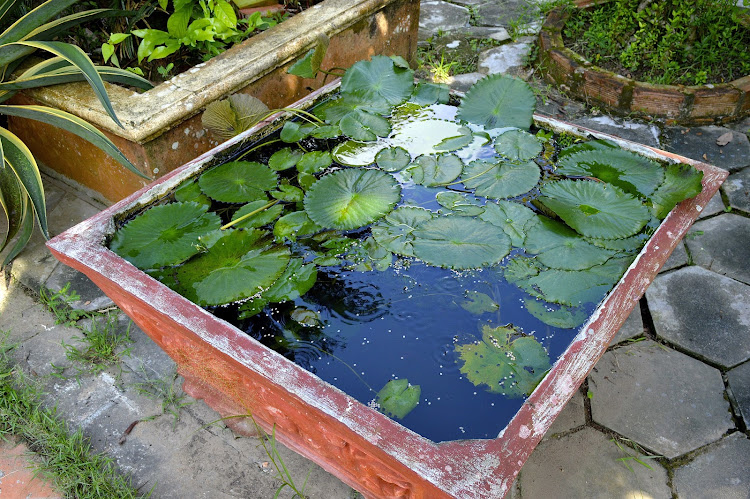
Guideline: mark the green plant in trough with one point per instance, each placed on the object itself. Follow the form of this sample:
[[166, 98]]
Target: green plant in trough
[[21, 190], [346, 188]]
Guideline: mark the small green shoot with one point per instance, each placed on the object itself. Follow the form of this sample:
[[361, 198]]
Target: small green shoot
[[59, 303], [164, 389], [628, 458], [103, 345]]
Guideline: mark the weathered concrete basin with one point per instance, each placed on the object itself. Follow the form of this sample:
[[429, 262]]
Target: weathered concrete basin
[[237, 375], [162, 127]]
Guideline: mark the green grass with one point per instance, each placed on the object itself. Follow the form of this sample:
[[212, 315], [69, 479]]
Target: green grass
[[163, 389], [59, 303], [103, 345], [67, 459]]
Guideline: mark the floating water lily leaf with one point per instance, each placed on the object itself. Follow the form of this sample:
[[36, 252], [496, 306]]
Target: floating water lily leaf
[[459, 242], [681, 182], [191, 191], [314, 161], [333, 111], [378, 80], [426, 93], [349, 199], [242, 263], [559, 316], [591, 145], [500, 180], [463, 139], [306, 180], [630, 244], [512, 217], [288, 193], [326, 132], [498, 101], [595, 209], [164, 235], [431, 171], [504, 361], [293, 132], [565, 287], [398, 398], [285, 158], [459, 204], [293, 225], [394, 232], [517, 145], [630, 172], [393, 159], [298, 278], [238, 182], [559, 247], [479, 303], [260, 219], [364, 126]]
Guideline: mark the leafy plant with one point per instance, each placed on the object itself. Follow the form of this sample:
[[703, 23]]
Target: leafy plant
[[59, 303], [103, 345], [398, 398], [21, 190]]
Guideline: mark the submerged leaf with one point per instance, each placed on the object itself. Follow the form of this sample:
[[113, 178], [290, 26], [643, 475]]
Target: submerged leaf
[[238, 182], [349, 199], [459, 242], [463, 139], [293, 225], [479, 303], [191, 191], [504, 361], [500, 180], [398, 398], [314, 161], [560, 316], [164, 235], [595, 209], [498, 101], [426, 93]]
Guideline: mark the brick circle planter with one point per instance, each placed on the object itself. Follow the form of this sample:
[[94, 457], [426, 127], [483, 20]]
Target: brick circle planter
[[689, 105]]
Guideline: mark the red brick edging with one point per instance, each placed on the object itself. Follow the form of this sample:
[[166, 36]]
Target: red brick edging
[[690, 105]]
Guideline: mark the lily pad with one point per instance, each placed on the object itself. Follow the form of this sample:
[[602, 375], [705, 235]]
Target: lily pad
[[498, 101], [463, 139], [314, 161], [378, 80], [426, 93], [513, 218], [681, 182], [459, 242], [238, 182], [285, 158], [556, 316], [432, 171], [393, 159], [479, 303], [459, 204], [333, 111], [559, 247], [595, 209], [239, 265], [164, 235], [395, 231], [288, 193], [326, 132], [293, 131], [298, 278], [398, 398], [517, 145], [349, 199], [293, 225], [500, 180], [630, 172], [589, 145], [191, 191], [261, 218], [364, 127], [504, 361]]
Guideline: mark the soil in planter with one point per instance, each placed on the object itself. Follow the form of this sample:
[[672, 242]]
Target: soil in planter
[[432, 264], [682, 44]]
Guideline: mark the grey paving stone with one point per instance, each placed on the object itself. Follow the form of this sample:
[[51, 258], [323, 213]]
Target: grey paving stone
[[741, 126], [702, 312], [663, 400], [437, 15], [737, 189], [506, 59], [34, 264], [463, 83], [700, 143], [632, 328], [678, 258], [471, 3], [497, 33], [739, 383], [720, 472], [19, 313], [722, 244], [642, 133], [507, 12], [572, 416], [145, 355], [714, 206], [586, 464], [91, 297]]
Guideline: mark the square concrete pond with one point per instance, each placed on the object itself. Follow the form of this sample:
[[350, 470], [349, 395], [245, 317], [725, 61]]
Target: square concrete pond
[[375, 454]]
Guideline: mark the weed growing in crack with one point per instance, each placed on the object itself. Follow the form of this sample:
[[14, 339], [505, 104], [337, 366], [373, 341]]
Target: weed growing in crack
[[163, 389], [102, 345], [639, 457], [59, 303]]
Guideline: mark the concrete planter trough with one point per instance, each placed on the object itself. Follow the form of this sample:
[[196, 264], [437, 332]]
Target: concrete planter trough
[[162, 127], [374, 454]]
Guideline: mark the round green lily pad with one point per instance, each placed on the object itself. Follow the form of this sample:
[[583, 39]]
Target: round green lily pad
[[559, 247], [393, 159], [238, 182], [431, 171], [517, 145], [394, 232], [349, 199], [261, 218], [500, 180]]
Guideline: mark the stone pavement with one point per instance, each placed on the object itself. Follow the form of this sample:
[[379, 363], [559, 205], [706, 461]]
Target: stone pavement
[[665, 413]]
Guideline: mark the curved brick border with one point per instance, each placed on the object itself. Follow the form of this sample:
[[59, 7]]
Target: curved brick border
[[693, 105]]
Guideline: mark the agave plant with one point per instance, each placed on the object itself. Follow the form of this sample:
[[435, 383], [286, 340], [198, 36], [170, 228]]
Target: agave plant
[[21, 190]]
